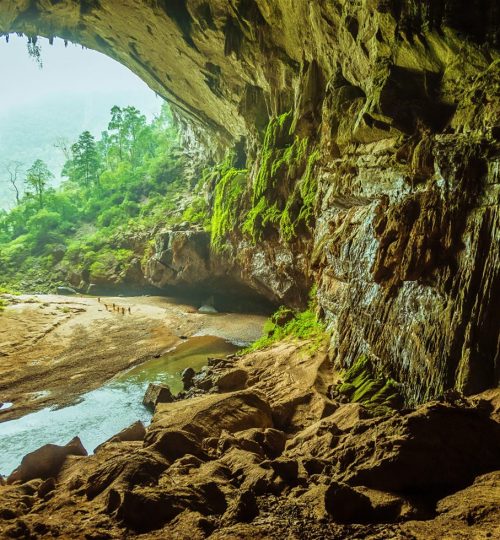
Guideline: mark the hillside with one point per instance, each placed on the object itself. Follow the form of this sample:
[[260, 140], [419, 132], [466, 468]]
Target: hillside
[[32, 132]]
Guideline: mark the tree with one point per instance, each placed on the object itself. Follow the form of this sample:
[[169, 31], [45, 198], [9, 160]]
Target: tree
[[37, 178], [14, 171], [115, 126], [126, 127], [62, 144], [85, 163]]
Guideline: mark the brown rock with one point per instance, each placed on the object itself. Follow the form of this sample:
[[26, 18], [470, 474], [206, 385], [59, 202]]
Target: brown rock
[[287, 469], [473, 512], [232, 380], [346, 505], [209, 415], [157, 393], [134, 432], [438, 448], [46, 462], [174, 444]]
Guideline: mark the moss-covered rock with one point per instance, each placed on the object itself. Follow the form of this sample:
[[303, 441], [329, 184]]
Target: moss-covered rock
[[361, 384]]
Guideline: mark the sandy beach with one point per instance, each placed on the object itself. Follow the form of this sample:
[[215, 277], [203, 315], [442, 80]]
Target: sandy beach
[[55, 348]]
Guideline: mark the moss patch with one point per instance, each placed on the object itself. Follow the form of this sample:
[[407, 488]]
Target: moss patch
[[285, 187], [287, 323], [360, 384], [229, 192]]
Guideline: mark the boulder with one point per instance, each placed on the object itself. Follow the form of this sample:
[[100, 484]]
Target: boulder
[[134, 432], [243, 509], [175, 444], [187, 377], [287, 469], [346, 505], [46, 462], [65, 291], [235, 379], [437, 448], [210, 415], [473, 512], [157, 393], [207, 309]]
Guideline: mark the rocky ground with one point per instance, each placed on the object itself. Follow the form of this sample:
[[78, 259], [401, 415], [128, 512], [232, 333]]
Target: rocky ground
[[256, 449], [55, 348]]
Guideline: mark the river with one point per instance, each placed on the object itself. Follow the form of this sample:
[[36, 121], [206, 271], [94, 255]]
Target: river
[[101, 413]]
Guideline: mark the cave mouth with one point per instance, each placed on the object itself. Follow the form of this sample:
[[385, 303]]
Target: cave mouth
[[108, 177], [86, 157]]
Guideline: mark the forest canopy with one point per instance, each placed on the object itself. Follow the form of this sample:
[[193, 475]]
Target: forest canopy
[[116, 186]]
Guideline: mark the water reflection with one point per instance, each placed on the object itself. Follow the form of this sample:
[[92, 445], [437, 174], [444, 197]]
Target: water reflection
[[102, 413]]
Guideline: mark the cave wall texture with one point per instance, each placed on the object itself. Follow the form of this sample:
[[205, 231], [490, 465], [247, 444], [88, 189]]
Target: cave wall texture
[[400, 99]]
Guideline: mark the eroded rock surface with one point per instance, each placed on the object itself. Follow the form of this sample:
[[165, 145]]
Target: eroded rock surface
[[276, 459], [381, 165], [399, 105]]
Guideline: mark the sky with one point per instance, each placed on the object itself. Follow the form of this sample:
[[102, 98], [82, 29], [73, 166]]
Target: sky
[[66, 70], [73, 92]]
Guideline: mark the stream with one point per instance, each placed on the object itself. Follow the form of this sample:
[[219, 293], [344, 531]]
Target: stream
[[104, 412]]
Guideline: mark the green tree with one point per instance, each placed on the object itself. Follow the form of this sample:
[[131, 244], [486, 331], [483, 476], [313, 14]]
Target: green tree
[[127, 132], [37, 178], [85, 164], [115, 126]]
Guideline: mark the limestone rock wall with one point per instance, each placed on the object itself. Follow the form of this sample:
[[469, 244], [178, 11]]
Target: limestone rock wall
[[400, 98]]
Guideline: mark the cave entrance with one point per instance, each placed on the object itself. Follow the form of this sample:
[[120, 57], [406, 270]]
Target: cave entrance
[[90, 174], [86, 167]]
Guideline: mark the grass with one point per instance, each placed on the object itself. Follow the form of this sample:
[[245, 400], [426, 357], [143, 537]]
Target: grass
[[287, 323]]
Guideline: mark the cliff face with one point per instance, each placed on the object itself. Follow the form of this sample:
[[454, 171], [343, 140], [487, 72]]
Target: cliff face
[[381, 163]]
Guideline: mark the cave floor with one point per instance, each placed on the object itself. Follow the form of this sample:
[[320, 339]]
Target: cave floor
[[56, 348]]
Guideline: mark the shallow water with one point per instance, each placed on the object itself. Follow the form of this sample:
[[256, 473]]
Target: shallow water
[[102, 413]]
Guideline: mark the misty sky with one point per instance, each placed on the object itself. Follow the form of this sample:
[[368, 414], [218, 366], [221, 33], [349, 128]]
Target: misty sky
[[65, 71], [73, 92]]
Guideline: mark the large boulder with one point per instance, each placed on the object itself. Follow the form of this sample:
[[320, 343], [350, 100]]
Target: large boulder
[[134, 432], [210, 415], [187, 377], [157, 393], [234, 379], [436, 448], [65, 291], [46, 462]]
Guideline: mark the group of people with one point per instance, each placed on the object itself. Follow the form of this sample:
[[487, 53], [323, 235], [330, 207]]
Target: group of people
[[115, 308]]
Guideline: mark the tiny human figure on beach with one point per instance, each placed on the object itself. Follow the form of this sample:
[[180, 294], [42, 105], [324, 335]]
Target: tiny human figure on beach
[[114, 306], [99, 299], [106, 306], [129, 312], [123, 311]]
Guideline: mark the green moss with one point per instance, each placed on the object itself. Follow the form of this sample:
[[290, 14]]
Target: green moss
[[284, 189], [308, 187], [3, 301], [361, 385], [287, 323], [229, 192], [198, 213]]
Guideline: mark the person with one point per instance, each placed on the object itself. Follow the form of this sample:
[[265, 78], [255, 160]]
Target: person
[[123, 311], [129, 311], [99, 299]]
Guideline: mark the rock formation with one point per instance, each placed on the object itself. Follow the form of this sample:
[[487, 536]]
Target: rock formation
[[365, 160], [276, 459], [399, 104]]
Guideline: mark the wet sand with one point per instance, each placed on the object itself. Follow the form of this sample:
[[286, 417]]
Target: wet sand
[[55, 348]]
